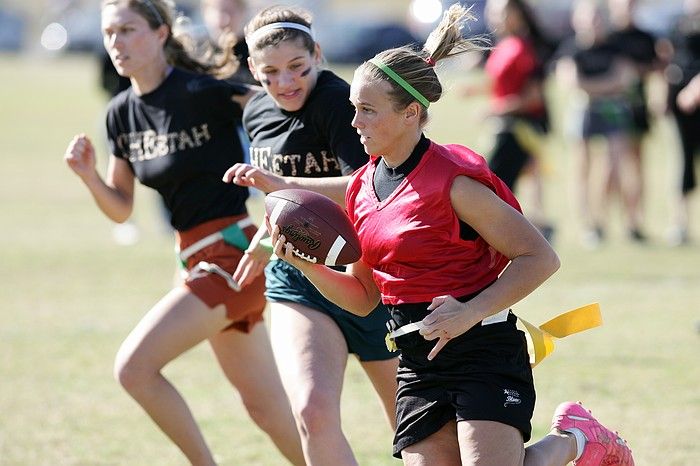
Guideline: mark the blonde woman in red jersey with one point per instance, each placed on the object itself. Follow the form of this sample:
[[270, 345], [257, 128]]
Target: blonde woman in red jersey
[[447, 249]]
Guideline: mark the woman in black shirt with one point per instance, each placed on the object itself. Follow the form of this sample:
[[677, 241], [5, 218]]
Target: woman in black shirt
[[174, 130], [300, 129]]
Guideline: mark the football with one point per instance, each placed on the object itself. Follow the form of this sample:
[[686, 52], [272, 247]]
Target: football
[[318, 228]]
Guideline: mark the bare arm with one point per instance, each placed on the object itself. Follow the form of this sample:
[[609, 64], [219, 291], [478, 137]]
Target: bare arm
[[619, 79], [247, 175], [688, 98], [115, 195], [530, 96], [532, 258], [506, 230]]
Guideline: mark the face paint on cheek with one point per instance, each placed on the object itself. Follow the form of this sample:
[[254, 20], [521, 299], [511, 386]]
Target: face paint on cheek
[[265, 81], [305, 72]]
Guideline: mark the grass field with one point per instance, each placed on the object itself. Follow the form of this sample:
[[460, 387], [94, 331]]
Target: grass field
[[69, 296]]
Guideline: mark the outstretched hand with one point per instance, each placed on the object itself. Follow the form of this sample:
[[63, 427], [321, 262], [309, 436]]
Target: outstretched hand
[[449, 319], [244, 174]]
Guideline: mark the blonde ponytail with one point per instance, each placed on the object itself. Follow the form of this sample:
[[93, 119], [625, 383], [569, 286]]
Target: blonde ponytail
[[415, 68]]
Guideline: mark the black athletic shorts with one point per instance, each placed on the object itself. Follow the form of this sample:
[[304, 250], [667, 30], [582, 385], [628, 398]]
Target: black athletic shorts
[[484, 374], [508, 156]]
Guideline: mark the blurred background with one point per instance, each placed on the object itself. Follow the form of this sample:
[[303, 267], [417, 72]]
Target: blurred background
[[70, 290], [349, 30]]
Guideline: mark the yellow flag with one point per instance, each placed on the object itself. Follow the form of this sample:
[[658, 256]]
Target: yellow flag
[[541, 339]]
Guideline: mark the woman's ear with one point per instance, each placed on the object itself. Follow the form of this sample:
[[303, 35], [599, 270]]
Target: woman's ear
[[318, 56], [163, 33], [251, 67], [412, 112]]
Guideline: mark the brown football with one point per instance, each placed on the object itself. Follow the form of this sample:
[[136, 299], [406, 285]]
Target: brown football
[[318, 228]]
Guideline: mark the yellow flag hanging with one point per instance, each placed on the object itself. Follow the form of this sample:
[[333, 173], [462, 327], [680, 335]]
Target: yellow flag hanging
[[541, 339]]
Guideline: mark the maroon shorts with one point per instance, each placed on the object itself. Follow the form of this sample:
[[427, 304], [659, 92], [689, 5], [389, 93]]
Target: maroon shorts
[[244, 308]]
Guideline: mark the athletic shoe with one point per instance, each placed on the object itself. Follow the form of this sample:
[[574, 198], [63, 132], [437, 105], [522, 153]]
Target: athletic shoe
[[603, 447]]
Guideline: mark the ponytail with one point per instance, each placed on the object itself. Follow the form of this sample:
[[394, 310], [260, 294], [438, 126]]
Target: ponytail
[[415, 69]]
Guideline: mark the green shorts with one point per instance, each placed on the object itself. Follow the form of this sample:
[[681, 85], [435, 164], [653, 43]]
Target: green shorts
[[363, 335]]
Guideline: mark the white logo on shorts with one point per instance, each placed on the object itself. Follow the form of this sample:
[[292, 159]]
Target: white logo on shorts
[[512, 397]]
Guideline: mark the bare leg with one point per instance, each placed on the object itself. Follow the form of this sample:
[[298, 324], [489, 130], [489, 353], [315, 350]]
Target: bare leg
[[247, 361], [178, 322], [382, 374], [634, 184], [590, 219], [625, 174], [311, 355], [440, 449], [554, 449], [488, 443]]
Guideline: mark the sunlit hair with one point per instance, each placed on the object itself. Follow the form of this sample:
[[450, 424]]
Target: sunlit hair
[[417, 67], [180, 49], [280, 14]]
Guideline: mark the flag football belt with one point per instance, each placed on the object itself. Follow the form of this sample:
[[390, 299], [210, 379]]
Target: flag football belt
[[232, 234], [540, 339], [203, 268]]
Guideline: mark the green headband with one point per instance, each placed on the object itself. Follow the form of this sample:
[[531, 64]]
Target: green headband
[[400, 81]]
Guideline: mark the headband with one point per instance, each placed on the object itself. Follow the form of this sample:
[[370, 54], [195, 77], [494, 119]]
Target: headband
[[400, 81], [255, 35], [149, 4]]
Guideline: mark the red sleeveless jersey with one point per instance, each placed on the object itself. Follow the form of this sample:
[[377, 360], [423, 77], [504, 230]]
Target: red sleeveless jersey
[[411, 239]]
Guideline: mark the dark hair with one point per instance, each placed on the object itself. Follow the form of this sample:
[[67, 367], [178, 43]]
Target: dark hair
[[180, 49], [417, 67], [544, 48], [279, 14]]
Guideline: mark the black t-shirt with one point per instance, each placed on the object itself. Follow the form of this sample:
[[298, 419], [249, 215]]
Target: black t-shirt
[[179, 140], [635, 44], [639, 47], [686, 42], [591, 62], [316, 141]]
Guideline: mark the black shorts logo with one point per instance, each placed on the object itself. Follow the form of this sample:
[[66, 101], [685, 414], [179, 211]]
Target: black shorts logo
[[512, 397]]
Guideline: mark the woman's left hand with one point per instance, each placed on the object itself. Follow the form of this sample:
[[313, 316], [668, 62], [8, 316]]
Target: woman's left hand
[[449, 319]]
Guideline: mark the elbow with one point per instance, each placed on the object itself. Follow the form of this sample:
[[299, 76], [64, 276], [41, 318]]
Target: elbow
[[553, 263], [364, 311], [120, 216], [365, 308]]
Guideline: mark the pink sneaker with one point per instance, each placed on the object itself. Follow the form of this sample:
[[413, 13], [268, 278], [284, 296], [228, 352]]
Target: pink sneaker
[[603, 447]]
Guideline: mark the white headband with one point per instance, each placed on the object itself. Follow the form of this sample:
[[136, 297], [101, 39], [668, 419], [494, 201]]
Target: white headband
[[253, 38]]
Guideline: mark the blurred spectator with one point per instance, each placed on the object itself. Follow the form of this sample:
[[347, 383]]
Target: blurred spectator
[[223, 17], [638, 46], [602, 75], [12, 29], [515, 68], [684, 89]]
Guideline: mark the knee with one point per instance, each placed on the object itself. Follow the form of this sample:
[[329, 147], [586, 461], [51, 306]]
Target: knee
[[262, 412], [131, 373], [317, 413]]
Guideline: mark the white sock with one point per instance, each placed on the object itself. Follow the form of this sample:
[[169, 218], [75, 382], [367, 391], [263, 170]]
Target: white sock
[[580, 441]]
